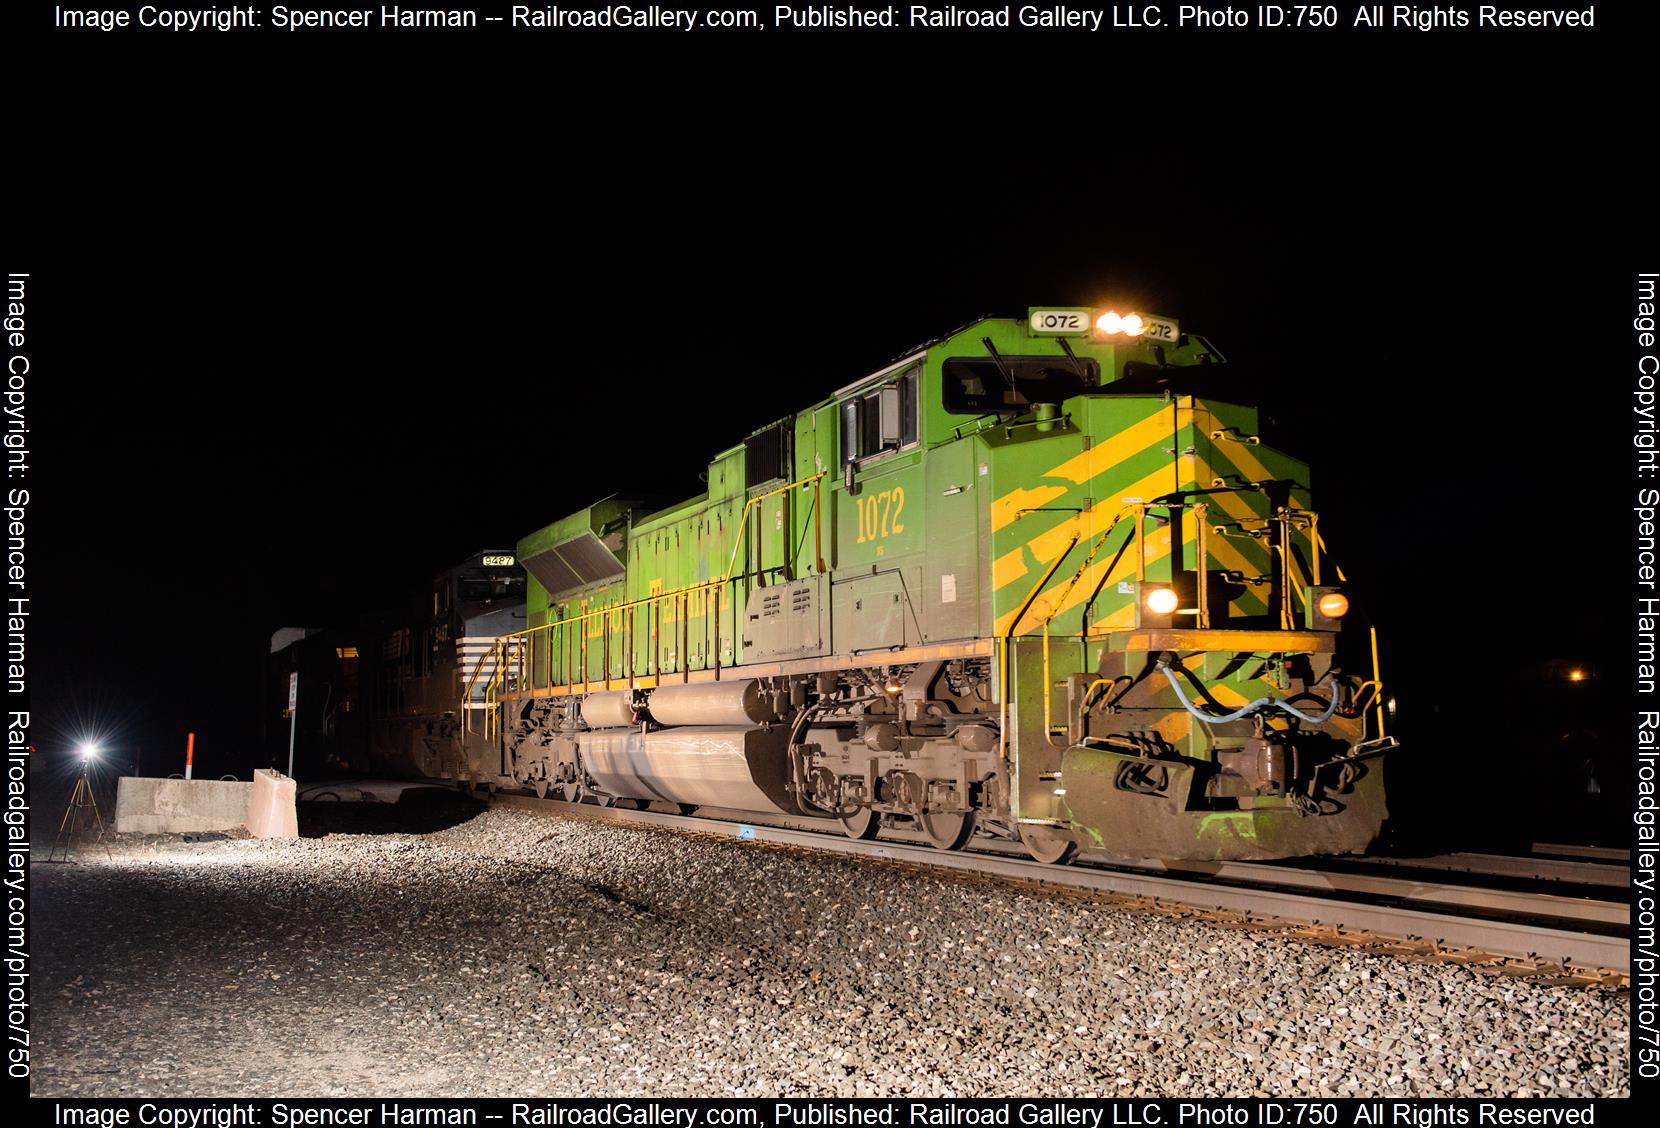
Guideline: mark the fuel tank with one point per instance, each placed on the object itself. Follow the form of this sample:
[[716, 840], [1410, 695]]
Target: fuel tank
[[613, 709], [727, 703], [741, 767]]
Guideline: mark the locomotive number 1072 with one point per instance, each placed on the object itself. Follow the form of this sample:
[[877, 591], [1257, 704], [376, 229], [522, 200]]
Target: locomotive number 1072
[[1060, 321], [879, 514]]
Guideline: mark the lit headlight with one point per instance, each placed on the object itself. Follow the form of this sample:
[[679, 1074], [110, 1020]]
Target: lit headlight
[[1129, 325], [1161, 601], [1333, 605], [1325, 608]]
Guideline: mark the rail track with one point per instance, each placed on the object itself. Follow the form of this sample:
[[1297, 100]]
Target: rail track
[[1449, 909]]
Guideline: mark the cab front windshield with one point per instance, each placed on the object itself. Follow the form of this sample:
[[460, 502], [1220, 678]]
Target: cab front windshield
[[489, 588], [980, 385]]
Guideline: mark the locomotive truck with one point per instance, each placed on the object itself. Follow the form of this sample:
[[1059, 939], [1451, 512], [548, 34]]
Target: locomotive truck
[[1035, 580]]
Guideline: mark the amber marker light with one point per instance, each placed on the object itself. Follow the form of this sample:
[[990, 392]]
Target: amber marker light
[[1334, 605], [1161, 601]]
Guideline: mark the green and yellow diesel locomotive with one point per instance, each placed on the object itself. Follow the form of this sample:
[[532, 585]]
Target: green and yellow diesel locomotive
[[1031, 581]]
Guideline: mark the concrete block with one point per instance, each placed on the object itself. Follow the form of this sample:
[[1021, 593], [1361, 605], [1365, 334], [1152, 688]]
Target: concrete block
[[172, 806], [271, 806]]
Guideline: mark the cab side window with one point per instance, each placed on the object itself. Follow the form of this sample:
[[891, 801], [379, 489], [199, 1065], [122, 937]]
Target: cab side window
[[881, 419]]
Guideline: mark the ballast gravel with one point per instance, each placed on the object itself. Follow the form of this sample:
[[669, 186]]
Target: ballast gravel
[[520, 955]]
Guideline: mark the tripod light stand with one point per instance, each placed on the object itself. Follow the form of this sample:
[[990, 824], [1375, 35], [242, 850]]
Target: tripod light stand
[[82, 811]]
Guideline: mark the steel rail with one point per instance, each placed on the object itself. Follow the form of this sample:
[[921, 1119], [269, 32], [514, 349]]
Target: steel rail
[[1604, 853], [1508, 865], [1575, 910], [1499, 937]]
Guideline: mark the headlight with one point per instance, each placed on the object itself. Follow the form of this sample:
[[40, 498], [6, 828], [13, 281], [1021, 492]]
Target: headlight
[[1129, 325], [1161, 601], [1325, 608], [1333, 605]]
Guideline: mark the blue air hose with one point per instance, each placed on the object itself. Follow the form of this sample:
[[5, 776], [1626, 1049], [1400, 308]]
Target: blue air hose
[[1245, 710]]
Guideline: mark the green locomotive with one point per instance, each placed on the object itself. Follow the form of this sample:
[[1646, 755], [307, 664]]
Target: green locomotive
[[1030, 581]]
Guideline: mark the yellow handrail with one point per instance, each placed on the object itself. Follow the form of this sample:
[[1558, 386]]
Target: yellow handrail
[[681, 595], [1003, 650]]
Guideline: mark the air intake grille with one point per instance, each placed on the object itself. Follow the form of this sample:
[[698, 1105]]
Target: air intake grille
[[579, 563]]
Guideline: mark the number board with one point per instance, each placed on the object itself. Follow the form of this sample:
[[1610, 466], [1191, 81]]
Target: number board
[[1160, 330], [1059, 322], [498, 561]]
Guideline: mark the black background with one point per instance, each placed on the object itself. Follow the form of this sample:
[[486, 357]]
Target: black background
[[317, 315]]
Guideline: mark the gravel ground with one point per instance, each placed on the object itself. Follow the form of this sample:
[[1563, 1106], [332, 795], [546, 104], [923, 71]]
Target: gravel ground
[[642, 962]]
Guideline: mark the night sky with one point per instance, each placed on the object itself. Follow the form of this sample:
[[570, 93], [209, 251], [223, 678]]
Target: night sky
[[319, 316]]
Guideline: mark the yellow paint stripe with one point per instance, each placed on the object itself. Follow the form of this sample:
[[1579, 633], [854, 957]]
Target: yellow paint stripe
[[1084, 467], [1158, 548], [1009, 567], [1120, 620], [1102, 457], [1224, 694], [1234, 506], [1094, 521], [1228, 554], [1006, 508], [1244, 461]]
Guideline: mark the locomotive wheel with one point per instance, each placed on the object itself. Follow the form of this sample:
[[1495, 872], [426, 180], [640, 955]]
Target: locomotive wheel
[[862, 823], [1048, 844], [947, 830]]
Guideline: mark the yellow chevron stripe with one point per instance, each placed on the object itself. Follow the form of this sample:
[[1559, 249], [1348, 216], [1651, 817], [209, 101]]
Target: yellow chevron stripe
[[1245, 462], [1120, 620], [1228, 554], [1094, 521], [1006, 508], [1102, 457], [1084, 467], [1009, 567], [1233, 505], [1158, 547], [1224, 694]]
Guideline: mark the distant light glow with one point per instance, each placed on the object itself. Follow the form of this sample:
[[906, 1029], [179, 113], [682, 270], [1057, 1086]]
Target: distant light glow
[[1576, 675]]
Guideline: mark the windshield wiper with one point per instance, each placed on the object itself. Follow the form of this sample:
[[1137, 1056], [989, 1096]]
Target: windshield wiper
[[997, 359]]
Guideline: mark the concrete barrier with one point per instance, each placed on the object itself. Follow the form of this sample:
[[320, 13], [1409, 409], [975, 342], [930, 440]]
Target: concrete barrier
[[172, 806], [271, 811], [180, 806]]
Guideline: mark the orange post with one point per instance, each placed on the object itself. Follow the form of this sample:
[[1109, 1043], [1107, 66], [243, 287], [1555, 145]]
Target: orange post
[[189, 752]]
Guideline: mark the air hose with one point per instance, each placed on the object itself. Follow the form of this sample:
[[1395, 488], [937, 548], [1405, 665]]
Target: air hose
[[1246, 710]]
